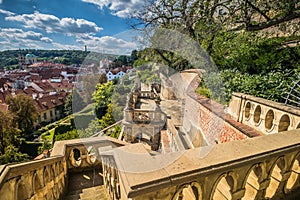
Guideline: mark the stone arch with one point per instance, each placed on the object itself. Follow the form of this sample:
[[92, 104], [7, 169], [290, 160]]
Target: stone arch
[[269, 120], [252, 181], [294, 177], [298, 126], [275, 176], [46, 175], [61, 166], [55, 191], [257, 114], [188, 191], [21, 192], [284, 123], [223, 187], [92, 155], [75, 156], [247, 110], [53, 171], [37, 183]]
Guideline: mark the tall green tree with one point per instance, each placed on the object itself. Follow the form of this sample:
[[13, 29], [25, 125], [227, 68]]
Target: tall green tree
[[9, 139], [102, 97], [25, 111], [9, 133]]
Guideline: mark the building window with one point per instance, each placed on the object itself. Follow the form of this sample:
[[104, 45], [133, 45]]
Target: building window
[[39, 119], [51, 114], [45, 116]]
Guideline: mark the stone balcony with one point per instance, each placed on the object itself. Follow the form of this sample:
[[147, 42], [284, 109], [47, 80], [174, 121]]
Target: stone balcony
[[49, 178], [263, 115], [265, 167]]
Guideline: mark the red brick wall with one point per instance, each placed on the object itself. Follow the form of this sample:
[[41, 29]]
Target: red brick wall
[[202, 113]]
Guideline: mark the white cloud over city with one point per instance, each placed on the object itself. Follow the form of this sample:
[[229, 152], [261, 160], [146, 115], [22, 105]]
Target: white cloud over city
[[107, 44], [51, 23], [14, 38], [120, 8]]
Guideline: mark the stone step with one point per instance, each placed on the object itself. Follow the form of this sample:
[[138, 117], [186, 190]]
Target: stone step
[[85, 190], [97, 192]]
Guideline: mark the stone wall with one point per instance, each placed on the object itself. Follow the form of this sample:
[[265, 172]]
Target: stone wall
[[48, 178], [206, 122], [263, 115], [265, 167]]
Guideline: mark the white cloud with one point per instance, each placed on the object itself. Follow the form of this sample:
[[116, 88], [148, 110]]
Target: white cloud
[[120, 8], [6, 12], [15, 38], [18, 34], [51, 23], [107, 44]]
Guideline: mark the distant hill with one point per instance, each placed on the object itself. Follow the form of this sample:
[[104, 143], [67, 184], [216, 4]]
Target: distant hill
[[9, 58]]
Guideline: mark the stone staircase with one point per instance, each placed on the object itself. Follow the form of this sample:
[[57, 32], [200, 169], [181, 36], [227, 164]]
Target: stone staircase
[[87, 185]]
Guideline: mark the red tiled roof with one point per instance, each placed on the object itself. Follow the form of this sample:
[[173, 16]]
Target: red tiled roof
[[51, 101], [63, 85]]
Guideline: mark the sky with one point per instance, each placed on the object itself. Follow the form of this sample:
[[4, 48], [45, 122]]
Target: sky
[[101, 25]]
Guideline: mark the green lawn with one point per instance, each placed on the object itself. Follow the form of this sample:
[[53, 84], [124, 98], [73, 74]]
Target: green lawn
[[48, 135]]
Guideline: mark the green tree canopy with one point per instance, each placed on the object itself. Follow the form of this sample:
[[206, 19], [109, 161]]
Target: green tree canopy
[[9, 134], [102, 97], [25, 111]]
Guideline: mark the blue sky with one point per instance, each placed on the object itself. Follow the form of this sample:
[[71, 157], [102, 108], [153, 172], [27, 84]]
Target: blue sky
[[101, 25]]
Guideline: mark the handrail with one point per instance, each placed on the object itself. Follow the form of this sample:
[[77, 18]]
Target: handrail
[[19, 168], [105, 129]]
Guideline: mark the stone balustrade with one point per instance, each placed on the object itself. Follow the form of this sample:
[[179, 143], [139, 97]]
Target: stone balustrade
[[147, 95], [265, 167], [42, 179], [263, 115], [48, 178]]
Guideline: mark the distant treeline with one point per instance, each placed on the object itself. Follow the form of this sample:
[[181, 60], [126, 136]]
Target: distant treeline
[[9, 59]]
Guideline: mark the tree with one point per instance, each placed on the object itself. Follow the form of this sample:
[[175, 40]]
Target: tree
[[11, 155], [25, 112], [9, 134], [204, 20], [102, 97]]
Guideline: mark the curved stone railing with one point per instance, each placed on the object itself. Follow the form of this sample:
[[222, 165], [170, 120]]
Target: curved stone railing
[[263, 115], [42, 179], [265, 167], [144, 116], [47, 178]]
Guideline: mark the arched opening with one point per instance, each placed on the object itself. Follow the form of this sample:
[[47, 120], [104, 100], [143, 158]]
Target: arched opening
[[188, 192], [21, 191], [275, 179], [298, 126], [257, 113], [37, 183], [294, 175], [223, 189], [91, 155], [284, 123], [247, 110], [269, 119], [76, 157], [46, 176], [252, 183]]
